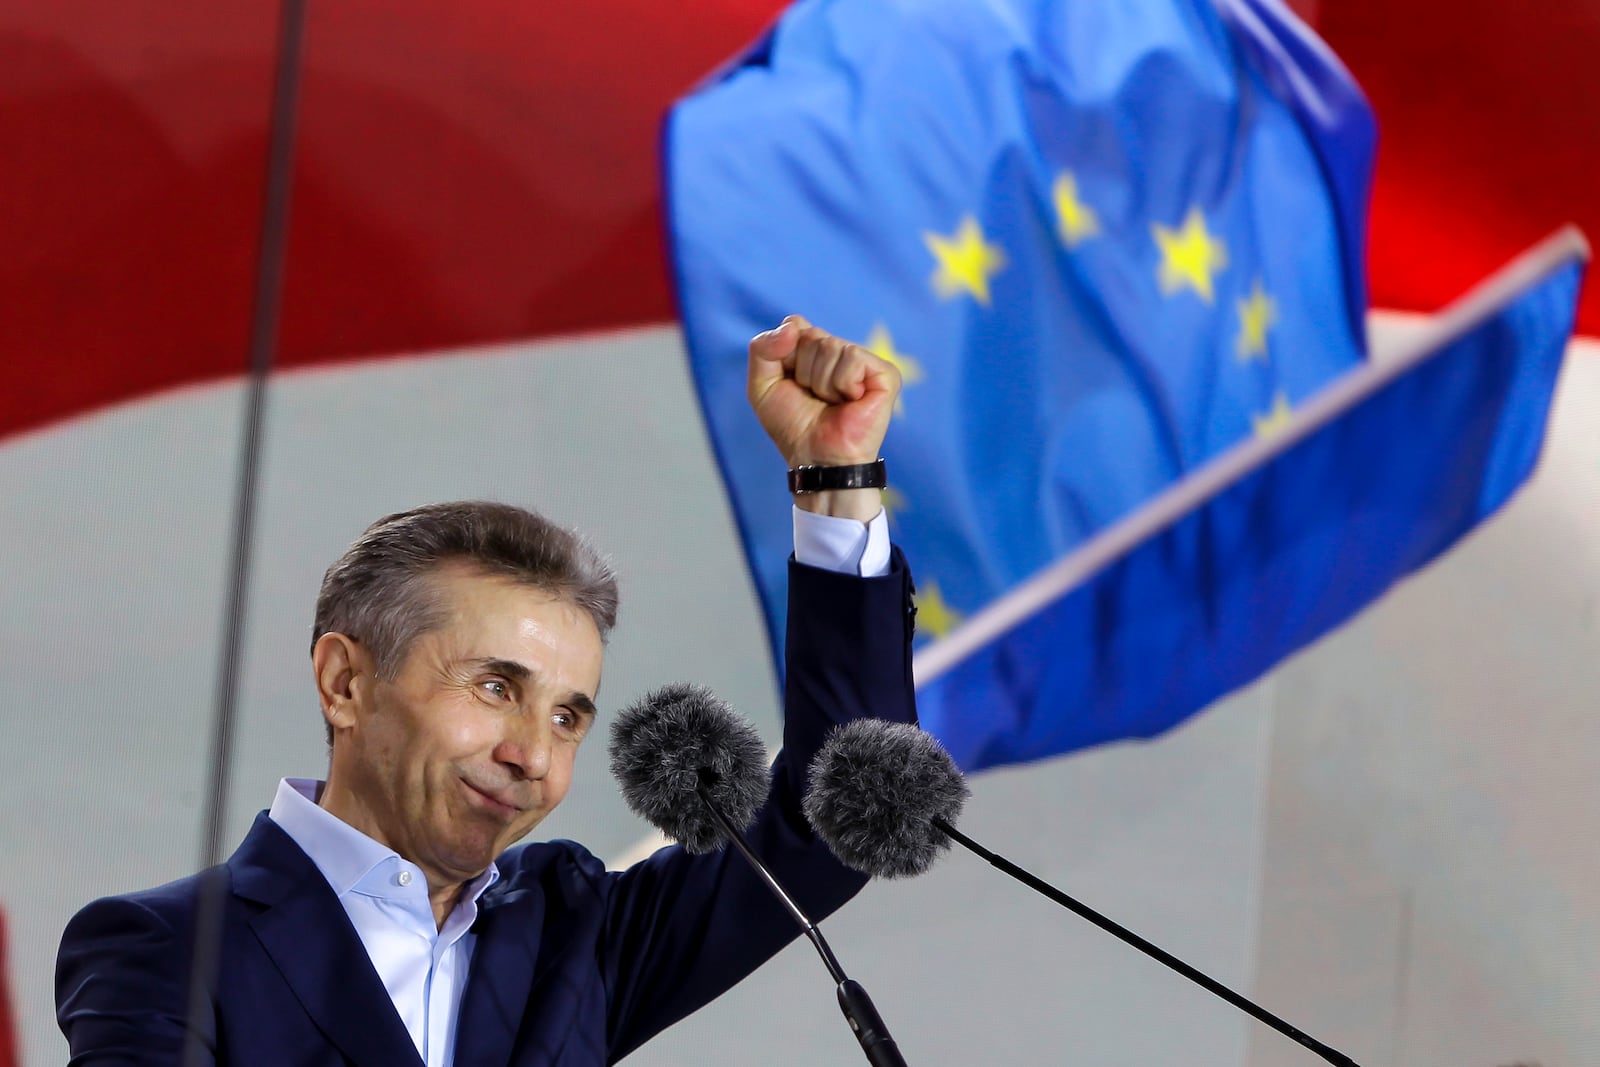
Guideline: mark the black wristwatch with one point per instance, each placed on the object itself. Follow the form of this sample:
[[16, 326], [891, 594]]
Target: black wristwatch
[[810, 479]]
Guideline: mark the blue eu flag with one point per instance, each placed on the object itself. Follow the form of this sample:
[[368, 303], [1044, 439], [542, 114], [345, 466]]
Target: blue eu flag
[[1104, 243]]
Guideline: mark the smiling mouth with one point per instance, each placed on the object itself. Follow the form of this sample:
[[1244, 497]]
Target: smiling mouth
[[491, 801]]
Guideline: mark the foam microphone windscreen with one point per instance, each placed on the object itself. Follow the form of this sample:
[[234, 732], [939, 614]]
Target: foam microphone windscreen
[[661, 744], [875, 788]]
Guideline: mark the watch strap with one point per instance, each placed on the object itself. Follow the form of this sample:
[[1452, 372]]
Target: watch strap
[[812, 479]]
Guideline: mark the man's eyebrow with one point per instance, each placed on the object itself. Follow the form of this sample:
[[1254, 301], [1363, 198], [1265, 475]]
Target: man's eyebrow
[[583, 705], [509, 667]]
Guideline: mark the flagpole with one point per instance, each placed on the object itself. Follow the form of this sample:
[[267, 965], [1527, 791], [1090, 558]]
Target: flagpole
[[270, 268], [1207, 481]]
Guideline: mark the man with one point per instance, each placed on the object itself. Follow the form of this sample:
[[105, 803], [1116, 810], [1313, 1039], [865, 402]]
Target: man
[[379, 919]]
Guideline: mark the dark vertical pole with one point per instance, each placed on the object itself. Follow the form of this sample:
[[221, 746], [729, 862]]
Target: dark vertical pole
[[270, 261]]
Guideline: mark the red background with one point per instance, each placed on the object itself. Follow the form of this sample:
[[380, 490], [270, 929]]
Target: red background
[[487, 170]]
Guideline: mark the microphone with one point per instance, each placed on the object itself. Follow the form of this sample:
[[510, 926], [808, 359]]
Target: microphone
[[884, 796], [672, 742], [875, 788], [694, 769]]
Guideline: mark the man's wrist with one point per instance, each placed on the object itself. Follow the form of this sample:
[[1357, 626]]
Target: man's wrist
[[858, 504], [841, 489]]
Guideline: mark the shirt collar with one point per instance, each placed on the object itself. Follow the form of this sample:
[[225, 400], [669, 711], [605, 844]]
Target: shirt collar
[[342, 853]]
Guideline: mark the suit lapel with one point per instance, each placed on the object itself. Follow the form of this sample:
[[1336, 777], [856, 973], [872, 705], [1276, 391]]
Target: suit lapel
[[501, 979], [309, 938]]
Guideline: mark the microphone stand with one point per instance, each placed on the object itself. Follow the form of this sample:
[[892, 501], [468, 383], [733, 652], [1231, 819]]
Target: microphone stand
[[853, 1000], [1332, 1055]]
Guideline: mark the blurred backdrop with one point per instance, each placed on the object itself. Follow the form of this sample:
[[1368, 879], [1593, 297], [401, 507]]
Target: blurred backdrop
[[1389, 840]]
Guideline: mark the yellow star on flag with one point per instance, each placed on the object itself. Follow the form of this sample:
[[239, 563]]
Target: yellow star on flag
[[881, 344], [966, 261], [933, 614], [894, 502], [1256, 315], [1075, 220], [1275, 419], [1190, 256]]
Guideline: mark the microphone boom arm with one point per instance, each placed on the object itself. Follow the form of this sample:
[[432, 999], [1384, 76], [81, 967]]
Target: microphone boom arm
[[1249, 1007], [858, 1009]]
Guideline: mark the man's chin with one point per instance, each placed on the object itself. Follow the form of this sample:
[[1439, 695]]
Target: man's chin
[[517, 833], [477, 856]]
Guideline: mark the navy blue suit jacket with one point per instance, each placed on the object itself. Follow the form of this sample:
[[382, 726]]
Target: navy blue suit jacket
[[574, 965]]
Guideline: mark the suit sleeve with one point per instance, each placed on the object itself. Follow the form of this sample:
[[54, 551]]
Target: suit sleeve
[[120, 980], [682, 929]]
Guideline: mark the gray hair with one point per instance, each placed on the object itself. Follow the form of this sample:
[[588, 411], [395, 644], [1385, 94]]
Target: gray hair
[[378, 591]]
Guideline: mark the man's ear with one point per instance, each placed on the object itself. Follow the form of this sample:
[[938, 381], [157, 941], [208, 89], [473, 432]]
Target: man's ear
[[344, 676]]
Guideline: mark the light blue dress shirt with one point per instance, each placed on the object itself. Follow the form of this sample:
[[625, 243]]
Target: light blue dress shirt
[[424, 967]]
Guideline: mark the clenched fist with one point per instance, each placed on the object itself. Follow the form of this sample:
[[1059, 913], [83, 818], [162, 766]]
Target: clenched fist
[[823, 401]]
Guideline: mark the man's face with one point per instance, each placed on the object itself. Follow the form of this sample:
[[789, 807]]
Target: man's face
[[472, 744]]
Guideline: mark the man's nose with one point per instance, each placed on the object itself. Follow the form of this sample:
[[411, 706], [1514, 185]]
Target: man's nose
[[525, 749]]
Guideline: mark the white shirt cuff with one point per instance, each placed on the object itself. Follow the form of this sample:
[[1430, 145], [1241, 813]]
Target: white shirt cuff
[[844, 545]]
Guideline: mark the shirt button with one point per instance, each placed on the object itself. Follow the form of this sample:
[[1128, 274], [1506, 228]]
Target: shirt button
[[404, 878]]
